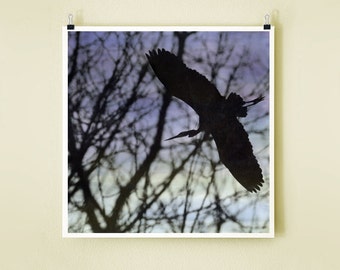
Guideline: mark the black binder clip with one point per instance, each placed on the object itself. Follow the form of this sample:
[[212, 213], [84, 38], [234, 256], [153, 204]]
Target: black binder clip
[[266, 25], [70, 25]]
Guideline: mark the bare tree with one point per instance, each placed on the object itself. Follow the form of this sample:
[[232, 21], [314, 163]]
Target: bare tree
[[123, 176]]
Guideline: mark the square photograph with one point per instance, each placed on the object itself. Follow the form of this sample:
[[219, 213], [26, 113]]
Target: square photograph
[[168, 132]]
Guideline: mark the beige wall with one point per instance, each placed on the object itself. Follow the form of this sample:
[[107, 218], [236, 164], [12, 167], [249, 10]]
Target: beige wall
[[307, 137]]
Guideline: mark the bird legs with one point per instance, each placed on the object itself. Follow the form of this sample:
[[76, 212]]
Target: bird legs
[[253, 102], [242, 112]]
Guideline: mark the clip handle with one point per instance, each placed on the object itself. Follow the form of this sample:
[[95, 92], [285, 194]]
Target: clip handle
[[70, 25], [266, 25]]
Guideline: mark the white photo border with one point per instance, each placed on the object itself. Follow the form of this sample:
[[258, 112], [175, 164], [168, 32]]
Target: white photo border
[[65, 233]]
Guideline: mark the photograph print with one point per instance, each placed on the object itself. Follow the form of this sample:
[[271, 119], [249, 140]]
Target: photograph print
[[168, 132]]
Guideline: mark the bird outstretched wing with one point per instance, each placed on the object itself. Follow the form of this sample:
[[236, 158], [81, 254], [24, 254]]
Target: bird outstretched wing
[[218, 116], [236, 153], [183, 82]]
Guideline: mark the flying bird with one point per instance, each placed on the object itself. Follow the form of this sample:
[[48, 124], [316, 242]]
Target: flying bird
[[218, 115]]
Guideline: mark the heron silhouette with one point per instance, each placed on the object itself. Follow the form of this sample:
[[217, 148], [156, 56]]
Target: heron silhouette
[[218, 116]]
